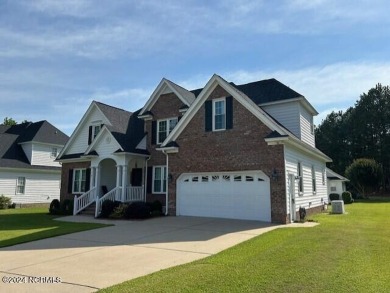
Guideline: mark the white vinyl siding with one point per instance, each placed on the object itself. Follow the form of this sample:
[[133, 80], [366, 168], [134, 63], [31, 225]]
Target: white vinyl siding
[[306, 120], [40, 187], [80, 142], [28, 149], [106, 146], [308, 199], [42, 155], [287, 114]]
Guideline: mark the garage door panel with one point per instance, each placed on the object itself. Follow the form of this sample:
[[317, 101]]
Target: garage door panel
[[226, 195]]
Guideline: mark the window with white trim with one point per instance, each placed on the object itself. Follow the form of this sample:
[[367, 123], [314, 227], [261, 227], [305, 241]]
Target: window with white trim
[[54, 153], [219, 114], [164, 128], [313, 179], [20, 185], [79, 180], [323, 176], [95, 130], [300, 177], [159, 179]]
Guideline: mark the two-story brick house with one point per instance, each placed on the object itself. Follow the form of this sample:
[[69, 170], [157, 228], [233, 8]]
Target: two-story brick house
[[231, 151]]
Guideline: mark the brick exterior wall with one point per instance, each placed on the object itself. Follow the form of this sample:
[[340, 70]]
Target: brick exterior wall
[[237, 149], [65, 178], [167, 106]]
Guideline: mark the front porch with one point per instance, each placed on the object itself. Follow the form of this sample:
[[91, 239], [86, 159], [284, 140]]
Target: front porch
[[110, 180]]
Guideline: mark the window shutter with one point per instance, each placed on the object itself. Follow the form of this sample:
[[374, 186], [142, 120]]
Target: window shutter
[[70, 180], [87, 179], [154, 132], [150, 178], [89, 135], [229, 112], [208, 106]]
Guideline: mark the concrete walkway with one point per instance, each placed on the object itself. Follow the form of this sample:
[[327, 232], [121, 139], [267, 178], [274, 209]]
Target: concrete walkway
[[91, 260]]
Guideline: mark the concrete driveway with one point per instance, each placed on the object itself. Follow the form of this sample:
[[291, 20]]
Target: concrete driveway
[[91, 260]]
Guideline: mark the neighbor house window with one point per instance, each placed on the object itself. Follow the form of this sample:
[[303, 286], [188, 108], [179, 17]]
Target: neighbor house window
[[311, 125], [54, 153], [159, 179], [313, 179], [323, 177], [20, 185], [219, 114], [300, 176], [164, 128], [79, 180]]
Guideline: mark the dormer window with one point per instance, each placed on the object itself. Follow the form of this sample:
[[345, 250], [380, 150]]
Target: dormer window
[[94, 130], [54, 153], [164, 128]]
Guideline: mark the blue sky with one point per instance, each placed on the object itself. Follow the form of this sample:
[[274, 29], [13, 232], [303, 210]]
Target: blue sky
[[58, 56]]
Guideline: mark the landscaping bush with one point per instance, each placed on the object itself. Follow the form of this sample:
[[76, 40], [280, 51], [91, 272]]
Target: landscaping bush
[[347, 197], [302, 214], [156, 206], [4, 202], [55, 207], [119, 211], [67, 207], [108, 207], [334, 196], [138, 210], [12, 205]]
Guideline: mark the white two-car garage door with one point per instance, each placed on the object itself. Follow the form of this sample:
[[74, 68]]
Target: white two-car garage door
[[233, 195]]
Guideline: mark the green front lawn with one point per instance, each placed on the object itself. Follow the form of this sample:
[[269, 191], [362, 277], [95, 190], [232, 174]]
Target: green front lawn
[[345, 253], [28, 224]]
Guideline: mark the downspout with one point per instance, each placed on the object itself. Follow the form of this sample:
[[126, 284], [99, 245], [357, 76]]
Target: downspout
[[166, 185], [146, 177]]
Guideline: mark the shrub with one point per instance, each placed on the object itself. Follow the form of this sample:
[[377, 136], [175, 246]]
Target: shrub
[[119, 211], [108, 207], [138, 210], [334, 196], [347, 197], [12, 205], [67, 207], [302, 214], [54, 207], [4, 202], [156, 206]]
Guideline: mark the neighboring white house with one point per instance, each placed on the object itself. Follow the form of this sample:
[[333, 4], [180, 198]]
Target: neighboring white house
[[336, 182], [28, 171]]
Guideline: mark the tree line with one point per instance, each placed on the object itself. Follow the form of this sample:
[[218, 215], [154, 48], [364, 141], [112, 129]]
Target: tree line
[[362, 131]]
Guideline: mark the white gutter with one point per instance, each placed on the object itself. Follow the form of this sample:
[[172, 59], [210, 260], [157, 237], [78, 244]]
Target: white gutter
[[166, 185]]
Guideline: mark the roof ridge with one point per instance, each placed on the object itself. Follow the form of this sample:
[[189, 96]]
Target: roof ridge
[[117, 108]]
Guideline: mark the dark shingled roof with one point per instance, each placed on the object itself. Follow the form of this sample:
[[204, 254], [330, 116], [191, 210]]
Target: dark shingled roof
[[268, 90], [126, 127], [11, 152], [275, 134], [263, 91]]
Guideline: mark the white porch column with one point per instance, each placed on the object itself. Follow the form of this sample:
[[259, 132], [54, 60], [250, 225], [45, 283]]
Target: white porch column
[[124, 181], [97, 181], [118, 180], [92, 179]]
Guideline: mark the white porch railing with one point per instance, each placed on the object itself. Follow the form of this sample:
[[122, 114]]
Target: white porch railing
[[114, 194], [134, 193], [84, 200]]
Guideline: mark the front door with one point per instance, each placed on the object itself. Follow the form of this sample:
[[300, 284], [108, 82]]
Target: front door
[[136, 177], [291, 193]]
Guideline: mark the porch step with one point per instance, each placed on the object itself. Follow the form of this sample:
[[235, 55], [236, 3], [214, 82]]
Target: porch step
[[90, 210]]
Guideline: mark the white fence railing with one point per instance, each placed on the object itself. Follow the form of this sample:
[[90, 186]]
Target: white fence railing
[[84, 200], [134, 193], [114, 194]]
